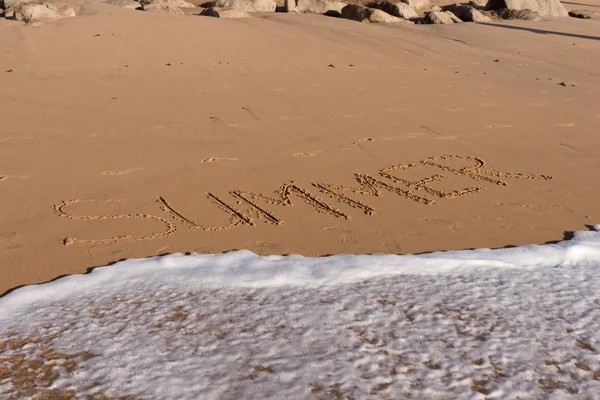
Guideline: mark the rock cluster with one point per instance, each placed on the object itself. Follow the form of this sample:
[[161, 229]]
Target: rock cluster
[[37, 10], [374, 11]]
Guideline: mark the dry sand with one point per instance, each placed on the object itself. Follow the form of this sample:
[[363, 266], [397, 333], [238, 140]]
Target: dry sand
[[131, 106]]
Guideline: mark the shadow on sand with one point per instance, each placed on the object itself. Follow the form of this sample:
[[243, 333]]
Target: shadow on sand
[[541, 31]]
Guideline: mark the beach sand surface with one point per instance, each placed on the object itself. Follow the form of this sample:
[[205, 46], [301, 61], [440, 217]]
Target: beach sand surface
[[131, 134]]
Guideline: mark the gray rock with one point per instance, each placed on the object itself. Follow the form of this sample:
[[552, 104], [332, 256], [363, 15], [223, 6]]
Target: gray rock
[[546, 8], [467, 13], [397, 9], [359, 13], [39, 10], [228, 13], [441, 17], [313, 6], [526, 15], [584, 14]]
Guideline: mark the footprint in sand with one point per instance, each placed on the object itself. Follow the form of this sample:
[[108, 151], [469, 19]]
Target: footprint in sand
[[364, 140], [498, 126], [386, 139], [10, 139], [490, 104], [6, 241], [120, 172], [216, 159], [290, 117], [344, 235], [308, 154], [2, 178], [268, 247], [449, 137]]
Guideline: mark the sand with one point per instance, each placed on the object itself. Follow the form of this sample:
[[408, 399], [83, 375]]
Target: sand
[[131, 134]]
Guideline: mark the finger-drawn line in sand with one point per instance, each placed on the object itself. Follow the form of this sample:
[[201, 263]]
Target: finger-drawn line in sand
[[253, 207], [236, 217], [60, 210]]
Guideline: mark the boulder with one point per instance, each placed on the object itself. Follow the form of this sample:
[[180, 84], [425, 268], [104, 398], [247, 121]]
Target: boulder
[[246, 5], [40, 10], [228, 13], [441, 17], [466, 13], [397, 9], [261, 5], [546, 8], [526, 15], [313, 6], [359, 13], [584, 14], [417, 4]]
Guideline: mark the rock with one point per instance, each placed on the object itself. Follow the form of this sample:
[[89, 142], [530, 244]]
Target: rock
[[466, 13], [584, 14], [436, 8], [397, 9], [40, 10], [313, 6], [246, 5], [359, 13], [228, 13], [417, 4], [237, 4], [261, 5], [526, 15], [441, 17], [477, 3], [545, 8], [7, 4]]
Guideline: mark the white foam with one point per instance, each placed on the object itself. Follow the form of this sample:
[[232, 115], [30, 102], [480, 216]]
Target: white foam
[[323, 325]]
